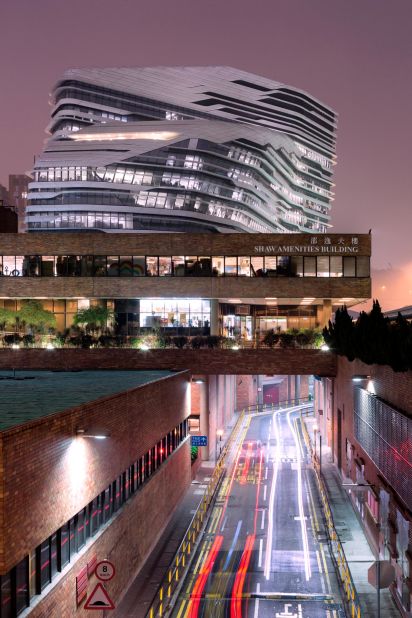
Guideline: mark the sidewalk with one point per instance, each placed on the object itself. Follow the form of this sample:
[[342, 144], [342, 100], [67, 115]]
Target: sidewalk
[[359, 554]]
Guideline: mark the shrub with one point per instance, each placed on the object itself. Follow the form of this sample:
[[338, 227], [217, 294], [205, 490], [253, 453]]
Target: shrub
[[28, 340], [180, 342], [213, 341], [271, 338], [197, 342], [12, 339]]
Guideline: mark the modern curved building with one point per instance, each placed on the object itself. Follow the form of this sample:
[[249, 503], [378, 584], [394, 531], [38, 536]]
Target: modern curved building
[[183, 149]]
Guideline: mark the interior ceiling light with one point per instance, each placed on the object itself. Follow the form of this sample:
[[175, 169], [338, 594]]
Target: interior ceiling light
[[142, 135]]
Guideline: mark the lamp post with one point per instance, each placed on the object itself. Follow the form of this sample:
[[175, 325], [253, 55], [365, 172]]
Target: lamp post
[[219, 434]]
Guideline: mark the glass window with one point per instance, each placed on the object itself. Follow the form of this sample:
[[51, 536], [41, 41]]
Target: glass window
[[218, 266], [22, 586], [244, 266], [5, 596], [178, 265], [81, 530], [9, 265], [349, 265], [257, 266], [138, 265], [47, 266], [113, 265], [204, 266], [322, 266], [64, 545], [165, 266], [99, 266], [230, 266], [32, 266], [362, 266], [336, 269], [128, 177], [95, 515], [53, 554], [270, 266], [283, 265], [309, 266], [296, 266], [152, 268], [44, 563], [191, 264], [107, 504], [119, 175], [126, 266]]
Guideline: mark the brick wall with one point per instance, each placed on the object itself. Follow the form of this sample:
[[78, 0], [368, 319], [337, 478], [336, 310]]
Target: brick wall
[[49, 474], [126, 542], [215, 362]]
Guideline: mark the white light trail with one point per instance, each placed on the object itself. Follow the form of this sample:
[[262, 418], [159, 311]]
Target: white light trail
[[306, 556], [269, 539]]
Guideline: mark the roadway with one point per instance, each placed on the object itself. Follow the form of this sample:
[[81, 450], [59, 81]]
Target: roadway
[[264, 551]]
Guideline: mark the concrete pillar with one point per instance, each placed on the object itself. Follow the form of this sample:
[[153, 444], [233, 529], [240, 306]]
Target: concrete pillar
[[214, 316], [297, 389], [204, 415]]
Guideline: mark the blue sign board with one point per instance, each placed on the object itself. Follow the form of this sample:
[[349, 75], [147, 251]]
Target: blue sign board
[[198, 440]]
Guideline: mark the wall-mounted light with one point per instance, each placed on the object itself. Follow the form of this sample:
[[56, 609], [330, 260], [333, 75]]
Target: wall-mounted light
[[97, 435], [199, 381], [15, 346], [360, 378], [235, 347], [144, 347], [324, 347]]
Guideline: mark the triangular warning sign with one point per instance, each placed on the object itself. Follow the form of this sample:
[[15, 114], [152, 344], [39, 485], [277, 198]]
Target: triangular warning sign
[[99, 599]]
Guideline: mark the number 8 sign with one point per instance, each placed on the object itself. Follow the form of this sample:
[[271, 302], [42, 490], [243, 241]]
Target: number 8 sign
[[104, 570]]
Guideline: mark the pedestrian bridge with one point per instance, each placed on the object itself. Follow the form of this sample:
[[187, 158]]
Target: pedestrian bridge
[[207, 362]]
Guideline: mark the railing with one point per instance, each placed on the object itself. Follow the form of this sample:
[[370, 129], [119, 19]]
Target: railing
[[337, 551], [271, 407], [178, 567]]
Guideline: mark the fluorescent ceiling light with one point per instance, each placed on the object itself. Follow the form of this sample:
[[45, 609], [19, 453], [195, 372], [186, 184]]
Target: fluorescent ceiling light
[[142, 135]]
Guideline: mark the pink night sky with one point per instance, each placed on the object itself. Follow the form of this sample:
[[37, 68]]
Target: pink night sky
[[354, 55]]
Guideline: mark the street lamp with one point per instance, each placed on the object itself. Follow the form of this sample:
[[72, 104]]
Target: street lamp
[[84, 433], [219, 434]]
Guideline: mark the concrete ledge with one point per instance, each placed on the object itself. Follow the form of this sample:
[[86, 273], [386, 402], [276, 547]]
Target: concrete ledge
[[214, 362]]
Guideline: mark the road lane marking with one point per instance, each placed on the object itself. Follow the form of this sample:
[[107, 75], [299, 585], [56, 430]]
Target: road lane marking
[[264, 493], [266, 473], [232, 546], [262, 523], [325, 567], [224, 524], [260, 553]]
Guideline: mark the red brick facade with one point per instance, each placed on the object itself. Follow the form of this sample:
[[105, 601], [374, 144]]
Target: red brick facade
[[126, 542], [48, 474], [215, 362]]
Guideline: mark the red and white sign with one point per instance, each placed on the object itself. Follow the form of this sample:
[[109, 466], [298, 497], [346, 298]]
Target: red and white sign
[[99, 599], [105, 570]]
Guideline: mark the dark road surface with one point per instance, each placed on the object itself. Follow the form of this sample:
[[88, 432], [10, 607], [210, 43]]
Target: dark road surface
[[264, 552]]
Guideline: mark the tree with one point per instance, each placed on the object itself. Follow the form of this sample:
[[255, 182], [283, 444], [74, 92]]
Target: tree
[[33, 314], [93, 318], [372, 336], [339, 335], [7, 318]]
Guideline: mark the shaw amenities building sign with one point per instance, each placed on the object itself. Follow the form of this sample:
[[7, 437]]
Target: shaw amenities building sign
[[315, 245]]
